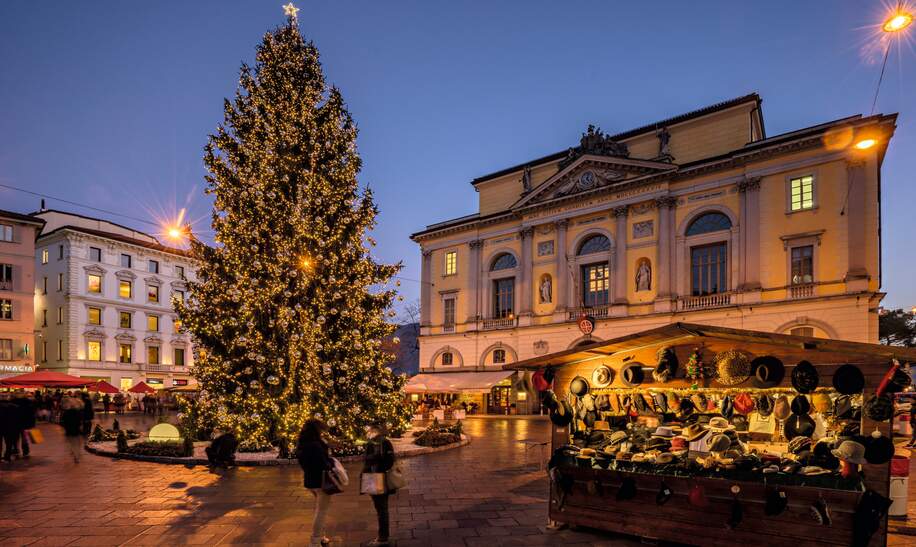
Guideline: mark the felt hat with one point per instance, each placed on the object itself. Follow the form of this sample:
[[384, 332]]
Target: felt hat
[[640, 403], [821, 402], [538, 382], [578, 386], [800, 405], [664, 494], [744, 403], [799, 445], [894, 381], [739, 422], [764, 405], [805, 377], [699, 401], [777, 501], [664, 458], [719, 443], [768, 371], [879, 408], [851, 452], [879, 450], [694, 432], [781, 408], [663, 431], [679, 443], [601, 425], [726, 407], [719, 423], [657, 443], [632, 374], [842, 407], [799, 425], [602, 376], [685, 409], [618, 437], [661, 403], [603, 402], [673, 400], [848, 380], [549, 399], [562, 415], [813, 470], [627, 489], [732, 367], [666, 368], [588, 402]]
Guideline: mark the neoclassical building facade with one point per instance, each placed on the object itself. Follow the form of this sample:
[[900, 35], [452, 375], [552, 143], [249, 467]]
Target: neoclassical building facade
[[700, 218]]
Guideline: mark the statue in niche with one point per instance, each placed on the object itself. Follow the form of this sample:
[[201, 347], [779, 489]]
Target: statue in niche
[[526, 179], [643, 276], [546, 289]]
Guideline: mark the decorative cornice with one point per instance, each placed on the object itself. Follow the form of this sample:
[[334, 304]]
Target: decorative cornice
[[526, 232], [621, 211], [153, 281], [749, 184], [667, 202], [179, 285], [153, 339], [125, 274], [95, 334], [427, 254], [95, 269], [125, 337], [562, 223], [855, 163], [475, 243]]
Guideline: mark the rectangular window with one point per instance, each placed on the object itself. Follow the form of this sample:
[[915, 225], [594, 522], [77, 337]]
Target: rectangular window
[[124, 319], [152, 323], [125, 261], [152, 355], [60, 350], [179, 271], [94, 350], [176, 326], [60, 282], [6, 278], [449, 312], [179, 295], [447, 358], [44, 318], [125, 290], [596, 284], [709, 269], [6, 349], [451, 263], [94, 284], [44, 256], [6, 308], [179, 357], [60, 252], [503, 297], [124, 353], [499, 356], [6, 232], [802, 193], [153, 266], [44, 285], [803, 265], [95, 316], [60, 315], [44, 351], [95, 254], [152, 293]]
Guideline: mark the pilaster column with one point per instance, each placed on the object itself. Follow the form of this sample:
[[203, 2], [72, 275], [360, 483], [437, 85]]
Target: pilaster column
[[472, 297], [620, 256], [525, 271], [665, 206], [562, 270], [425, 288], [857, 269], [749, 190]]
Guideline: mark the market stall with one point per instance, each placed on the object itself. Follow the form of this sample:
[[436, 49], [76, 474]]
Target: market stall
[[711, 436]]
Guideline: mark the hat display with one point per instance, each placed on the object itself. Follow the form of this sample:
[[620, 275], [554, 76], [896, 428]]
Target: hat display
[[851, 452], [657, 443], [632, 374], [842, 407], [601, 425], [603, 402], [549, 399], [679, 443], [618, 437], [777, 501], [562, 415], [821, 402], [627, 489], [673, 400], [739, 422], [732, 367], [661, 403], [664, 458], [768, 371], [602, 376], [744, 403], [663, 431], [726, 407], [799, 445], [799, 425], [879, 408], [578, 386], [699, 401], [805, 377], [848, 380], [800, 405], [719, 423], [719, 443], [894, 381], [694, 432], [764, 405], [538, 382], [879, 450], [781, 408], [667, 365], [685, 409]]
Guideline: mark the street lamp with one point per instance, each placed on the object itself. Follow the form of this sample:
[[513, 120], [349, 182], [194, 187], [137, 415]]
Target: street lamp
[[898, 21], [865, 144]]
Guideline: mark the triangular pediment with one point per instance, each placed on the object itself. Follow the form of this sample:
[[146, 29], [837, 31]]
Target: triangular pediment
[[591, 172]]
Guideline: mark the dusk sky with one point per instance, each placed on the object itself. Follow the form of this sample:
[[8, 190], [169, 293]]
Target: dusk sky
[[110, 103]]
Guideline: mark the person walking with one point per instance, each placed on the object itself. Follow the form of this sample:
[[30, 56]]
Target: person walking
[[9, 427], [71, 418], [88, 414], [312, 453], [379, 459], [26, 421]]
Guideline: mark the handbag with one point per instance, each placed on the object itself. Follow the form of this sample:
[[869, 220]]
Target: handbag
[[395, 477], [342, 477], [372, 484], [762, 424], [36, 436], [330, 483]]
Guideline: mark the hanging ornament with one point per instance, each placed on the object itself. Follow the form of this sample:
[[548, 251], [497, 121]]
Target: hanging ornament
[[326, 369], [695, 368], [255, 416], [397, 283], [254, 384], [332, 422], [319, 347], [248, 370], [400, 298], [321, 320], [358, 345], [287, 294], [333, 311], [332, 279], [239, 390], [273, 380], [336, 295], [396, 340]]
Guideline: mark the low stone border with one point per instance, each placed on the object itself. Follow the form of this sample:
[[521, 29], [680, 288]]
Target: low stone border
[[403, 448]]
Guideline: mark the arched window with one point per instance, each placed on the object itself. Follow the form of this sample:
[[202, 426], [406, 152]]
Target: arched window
[[504, 261], [594, 244], [709, 222]]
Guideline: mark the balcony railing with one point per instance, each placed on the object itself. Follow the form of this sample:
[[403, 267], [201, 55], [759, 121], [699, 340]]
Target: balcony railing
[[448, 328], [801, 291], [502, 323], [718, 300], [598, 312]]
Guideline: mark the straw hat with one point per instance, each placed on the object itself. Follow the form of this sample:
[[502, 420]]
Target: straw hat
[[732, 367], [602, 376]]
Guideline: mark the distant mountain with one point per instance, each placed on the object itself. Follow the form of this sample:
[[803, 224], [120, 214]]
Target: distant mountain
[[407, 349]]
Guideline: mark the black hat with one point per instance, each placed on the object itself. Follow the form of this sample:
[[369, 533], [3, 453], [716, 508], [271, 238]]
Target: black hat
[[799, 425], [879, 450], [805, 377], [894, 381], [549, 374], [658, 443], [726, 408], [849, 380], [664, 494], [667, 365], [842, 407], [661, 404], [632, 374], [800, 405], [764, 405], [686, 408], [578, 386], [562, 416], [627, 489], [879, 408], [549, 400], [850, 431], [799, 444], [768, 371]]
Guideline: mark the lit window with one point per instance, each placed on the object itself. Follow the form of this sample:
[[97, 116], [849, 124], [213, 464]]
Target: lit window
[[176, 326], [802, 265], [95, 316], [499, 356], [596, 284], [6, 232], [126, 261], [94, 284], [154, 266], [449, 312], [152, 355], [124, 289], [451, 263], [504, 261], [447, 358], [124, 353], [95, 254], [6, 349], [44, 256], [124, 319], [152, 292], [94, 350], [6, 308], [179, 357], [802, 193], [152, 323]]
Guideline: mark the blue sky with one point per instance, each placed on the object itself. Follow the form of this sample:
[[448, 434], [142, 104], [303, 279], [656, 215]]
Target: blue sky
[[109, 103]]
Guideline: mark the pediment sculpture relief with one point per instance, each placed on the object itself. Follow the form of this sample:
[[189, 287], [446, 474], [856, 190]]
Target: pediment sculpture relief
[[595, 142]]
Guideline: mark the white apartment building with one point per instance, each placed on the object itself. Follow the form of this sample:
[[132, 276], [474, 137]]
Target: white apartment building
[[103, 303]]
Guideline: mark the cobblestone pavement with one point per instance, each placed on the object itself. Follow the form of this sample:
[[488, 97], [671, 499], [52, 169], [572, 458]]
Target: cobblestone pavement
[[477, 495]]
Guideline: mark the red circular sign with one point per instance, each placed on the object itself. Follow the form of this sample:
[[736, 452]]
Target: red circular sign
[[586, 324]]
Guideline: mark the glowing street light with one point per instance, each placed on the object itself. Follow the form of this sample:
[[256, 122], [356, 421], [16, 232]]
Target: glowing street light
[[865, 144], [175, 233], [897, 22]]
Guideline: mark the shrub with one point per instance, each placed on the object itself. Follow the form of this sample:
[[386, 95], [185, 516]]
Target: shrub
[[436, 438], [150, 448]]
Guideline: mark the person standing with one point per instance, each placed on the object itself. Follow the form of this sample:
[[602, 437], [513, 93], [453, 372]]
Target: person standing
[[9, 427], [106, 403], [379, 459], [71, 418], [312, 453], [88, 414], [26, 421]]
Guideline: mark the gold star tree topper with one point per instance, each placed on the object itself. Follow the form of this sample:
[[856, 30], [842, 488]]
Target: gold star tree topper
[[291, 11]]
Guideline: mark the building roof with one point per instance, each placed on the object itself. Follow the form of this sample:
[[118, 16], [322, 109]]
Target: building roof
[[28, 219], [123, 239], [630, 133]]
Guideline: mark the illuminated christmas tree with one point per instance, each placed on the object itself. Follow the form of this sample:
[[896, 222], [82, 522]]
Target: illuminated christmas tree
[[289, 309]]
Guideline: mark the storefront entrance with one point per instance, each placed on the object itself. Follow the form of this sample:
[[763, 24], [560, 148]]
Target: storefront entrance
[[498, 401]]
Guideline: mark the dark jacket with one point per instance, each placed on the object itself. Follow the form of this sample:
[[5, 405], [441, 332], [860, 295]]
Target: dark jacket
[[314, 460], [72, 420], [9, 418], [88, 411], [379, 455], [26, 412]]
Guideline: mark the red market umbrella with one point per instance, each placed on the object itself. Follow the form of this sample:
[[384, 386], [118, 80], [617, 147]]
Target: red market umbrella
[[103, 387], [44, 378], [142, 387]]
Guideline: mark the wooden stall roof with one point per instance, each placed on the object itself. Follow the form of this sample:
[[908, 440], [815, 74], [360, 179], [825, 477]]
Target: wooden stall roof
[[691, 332]]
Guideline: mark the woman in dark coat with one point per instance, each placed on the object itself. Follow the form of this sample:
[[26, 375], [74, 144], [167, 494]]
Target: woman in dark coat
[[379, 459], [312, 453], [71, 417]]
